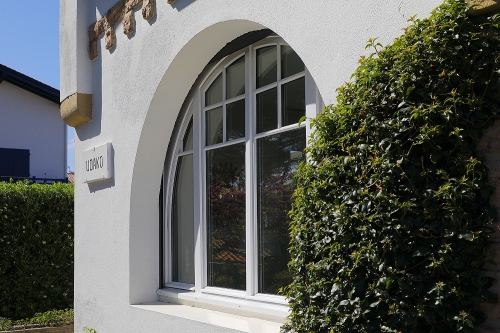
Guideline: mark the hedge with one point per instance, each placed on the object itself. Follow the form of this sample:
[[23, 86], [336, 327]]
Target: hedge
[[36, 248], [40, 320], [391, 214]]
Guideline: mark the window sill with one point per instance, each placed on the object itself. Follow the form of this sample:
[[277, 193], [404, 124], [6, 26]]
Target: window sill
[[223, 320], [248, 315]]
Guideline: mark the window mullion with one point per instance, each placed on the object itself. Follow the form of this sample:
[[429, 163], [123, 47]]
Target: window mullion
[[199, 188], [311, 105], [224, 105], [251, 236], [167, 218], [278, 81]]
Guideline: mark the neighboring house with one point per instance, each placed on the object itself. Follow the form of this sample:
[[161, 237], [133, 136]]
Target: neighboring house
[[199, 101], [32, 133]]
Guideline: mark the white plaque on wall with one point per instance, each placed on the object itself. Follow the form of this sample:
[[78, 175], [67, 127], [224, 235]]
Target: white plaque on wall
[[98, 164]]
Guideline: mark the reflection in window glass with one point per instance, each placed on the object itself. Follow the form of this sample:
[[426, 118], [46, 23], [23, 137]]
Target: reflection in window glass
[[293, 101], [214, 93], [290, 62], [235, 120], [269, 90], [182, 222], [188, 137], [267, 110], [267, 68], [214, 126], [278, 157], [226, 234], [235, 78]]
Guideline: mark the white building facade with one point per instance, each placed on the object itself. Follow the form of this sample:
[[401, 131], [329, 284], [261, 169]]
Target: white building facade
[[202, 105], [30, 122]]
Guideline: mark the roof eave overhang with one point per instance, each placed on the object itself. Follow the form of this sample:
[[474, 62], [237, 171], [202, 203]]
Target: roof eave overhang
[[29, 84]]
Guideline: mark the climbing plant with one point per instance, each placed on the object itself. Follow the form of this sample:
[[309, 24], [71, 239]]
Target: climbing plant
[[391, 212]]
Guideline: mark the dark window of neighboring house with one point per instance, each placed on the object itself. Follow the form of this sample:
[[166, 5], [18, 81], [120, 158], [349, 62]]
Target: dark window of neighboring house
[[14, 162]]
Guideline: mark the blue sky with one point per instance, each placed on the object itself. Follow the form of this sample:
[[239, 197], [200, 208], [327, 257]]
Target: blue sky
[[29, 44]]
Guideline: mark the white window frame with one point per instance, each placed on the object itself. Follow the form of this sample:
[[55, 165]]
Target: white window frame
[[199, 294]]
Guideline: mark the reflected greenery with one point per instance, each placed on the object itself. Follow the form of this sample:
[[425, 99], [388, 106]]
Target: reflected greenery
[[226, 217], [278, 159]]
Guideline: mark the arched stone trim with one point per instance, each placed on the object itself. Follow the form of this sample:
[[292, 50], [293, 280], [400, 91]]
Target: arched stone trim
[[153, 143]]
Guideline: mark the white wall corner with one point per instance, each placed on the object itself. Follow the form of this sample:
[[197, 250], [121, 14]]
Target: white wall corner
[[75, 65]]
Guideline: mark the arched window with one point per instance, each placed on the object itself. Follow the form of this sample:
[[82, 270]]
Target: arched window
[[229, 180]]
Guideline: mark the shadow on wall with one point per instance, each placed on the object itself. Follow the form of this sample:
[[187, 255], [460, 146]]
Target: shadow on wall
[[93, 128], [102, 6], [181, 4]]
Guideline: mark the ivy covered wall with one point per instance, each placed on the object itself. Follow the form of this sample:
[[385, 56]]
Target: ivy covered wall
[[392, 216]]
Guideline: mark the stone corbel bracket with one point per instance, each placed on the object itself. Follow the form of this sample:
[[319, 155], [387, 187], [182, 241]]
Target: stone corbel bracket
[[77, 109], [481, 7], [122, 10]]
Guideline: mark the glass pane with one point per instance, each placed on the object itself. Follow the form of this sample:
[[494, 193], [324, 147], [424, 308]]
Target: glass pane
[[182, 222], [226, 217], [235, 120], [277, 159], [188, 137], [290, 62], [214, 126], [235, 79], [267, 110], [214, 94], [293, 101], [267, 68]]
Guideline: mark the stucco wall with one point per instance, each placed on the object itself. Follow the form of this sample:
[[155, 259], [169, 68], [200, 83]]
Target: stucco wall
[[138, 88], [28, 121]]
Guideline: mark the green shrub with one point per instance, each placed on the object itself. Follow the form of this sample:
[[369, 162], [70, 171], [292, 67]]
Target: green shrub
[[36, 248], [43, 319], [391, 214]]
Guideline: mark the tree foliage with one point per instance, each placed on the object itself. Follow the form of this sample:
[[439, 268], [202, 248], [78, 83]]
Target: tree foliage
[[391, 212]]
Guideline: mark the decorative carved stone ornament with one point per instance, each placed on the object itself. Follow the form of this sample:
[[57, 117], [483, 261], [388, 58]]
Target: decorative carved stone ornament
[[110, 38], [128, 23], [122, 10]]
